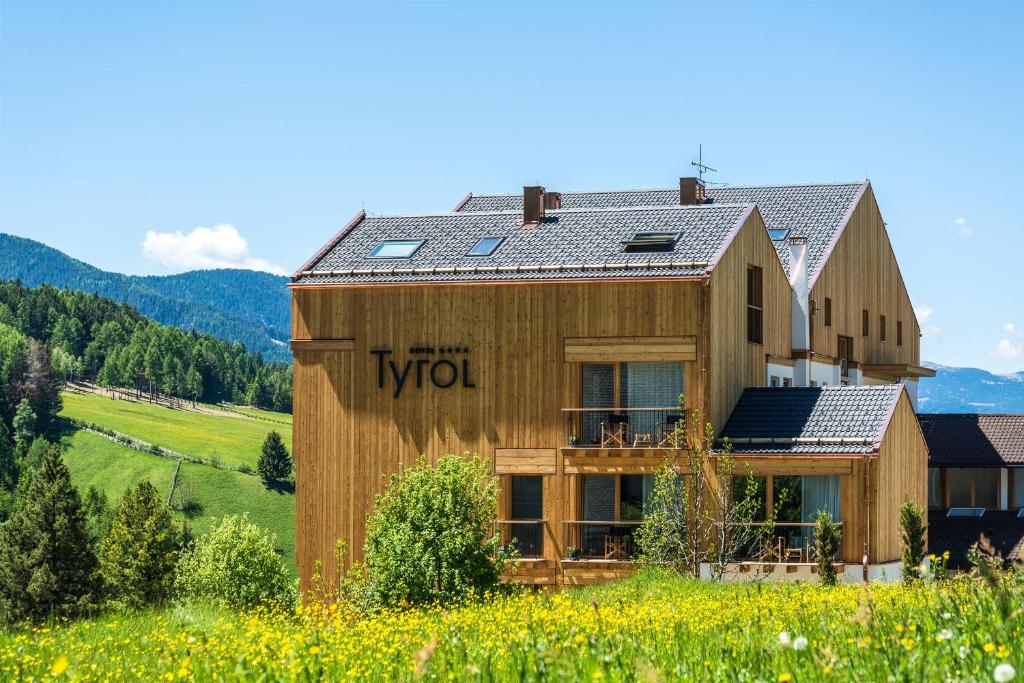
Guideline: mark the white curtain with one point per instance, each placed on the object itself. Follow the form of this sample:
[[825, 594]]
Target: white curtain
[[820, 493]]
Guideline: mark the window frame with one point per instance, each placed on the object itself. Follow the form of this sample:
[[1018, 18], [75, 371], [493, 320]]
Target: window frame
[[755, 304], [380, 245], [881, 328], [865, 323], [899, 333], [500, 238], [828, 312]]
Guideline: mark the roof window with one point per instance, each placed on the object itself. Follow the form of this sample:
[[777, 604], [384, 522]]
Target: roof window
[[966, 512], [778, 234], [396, 248], [651, 241], [485, 246]]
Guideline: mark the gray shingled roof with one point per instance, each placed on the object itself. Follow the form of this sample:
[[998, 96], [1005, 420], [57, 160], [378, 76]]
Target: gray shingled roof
[[815, 211], [972, 440], [575, 243], [821, 420]]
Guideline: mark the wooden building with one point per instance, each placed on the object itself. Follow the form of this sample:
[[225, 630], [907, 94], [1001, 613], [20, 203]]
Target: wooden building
[[553, 333]]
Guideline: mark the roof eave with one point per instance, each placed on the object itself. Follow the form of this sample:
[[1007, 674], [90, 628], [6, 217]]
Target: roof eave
[[324, 250]]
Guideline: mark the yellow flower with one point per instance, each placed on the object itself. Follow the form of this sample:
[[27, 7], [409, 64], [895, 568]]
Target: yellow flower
[[59, 666], [945, 555], [314, 649], [785, 678]]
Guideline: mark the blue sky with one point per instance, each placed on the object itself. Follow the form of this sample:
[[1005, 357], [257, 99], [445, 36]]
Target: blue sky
[[123, 124]]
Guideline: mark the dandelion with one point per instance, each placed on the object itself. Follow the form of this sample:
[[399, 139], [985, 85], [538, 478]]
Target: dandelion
[[944, 634], [964, 651], [800, 643], [1003, 673], [785, 678], [314, 649], [784, 640], [61, 665], [988, 648]]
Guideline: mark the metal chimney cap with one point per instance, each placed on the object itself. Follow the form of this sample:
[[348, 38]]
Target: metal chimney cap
[[797, 239]]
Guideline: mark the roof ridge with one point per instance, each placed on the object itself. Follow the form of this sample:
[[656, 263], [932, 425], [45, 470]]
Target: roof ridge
[[593, 209], [839, 183]]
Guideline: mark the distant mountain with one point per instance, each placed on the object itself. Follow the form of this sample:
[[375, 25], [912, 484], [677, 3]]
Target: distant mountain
[[970, 390], [240, 305]]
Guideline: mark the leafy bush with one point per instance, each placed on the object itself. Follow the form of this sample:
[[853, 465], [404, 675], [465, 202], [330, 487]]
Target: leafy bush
[[47, 559], [236, 565], [138, 555], [827, 539], [914, 538], [431, 534]]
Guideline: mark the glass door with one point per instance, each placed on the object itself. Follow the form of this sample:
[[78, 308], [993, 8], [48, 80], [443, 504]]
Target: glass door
[[527, 504]]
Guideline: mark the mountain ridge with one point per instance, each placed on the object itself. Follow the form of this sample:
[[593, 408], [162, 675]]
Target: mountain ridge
[[246, 306], [970, 390]]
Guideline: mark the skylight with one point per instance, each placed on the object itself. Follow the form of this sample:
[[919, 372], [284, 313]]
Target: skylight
[[966, 512], [651, 241], [485, 246], [778, 234], [396, 248]]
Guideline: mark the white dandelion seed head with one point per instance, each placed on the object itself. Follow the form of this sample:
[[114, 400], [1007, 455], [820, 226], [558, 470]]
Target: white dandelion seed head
[[944, 634], [1003, 673], [800, 643], [964, 651]]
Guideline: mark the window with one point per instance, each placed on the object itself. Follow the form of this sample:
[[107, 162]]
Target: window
[[651, 241], [778, 234], [865, 323], [845, 354], [650, 392], [396, 248], [899, 333], [485, 246], [973, 487], [881, 327], [527, 503], [934, 488], [787, 382], [774, 381], [755, 305], [828, 312], [620, 502]]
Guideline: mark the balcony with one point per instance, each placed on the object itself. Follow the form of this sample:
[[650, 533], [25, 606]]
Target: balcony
[[526, 536], [788, 543], [601, 540], [624, 428]]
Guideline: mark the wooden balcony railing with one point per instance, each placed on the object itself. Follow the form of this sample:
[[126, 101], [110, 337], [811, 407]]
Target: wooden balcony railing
[[600, 540], [624, 427], [526, 536], [786, 542]]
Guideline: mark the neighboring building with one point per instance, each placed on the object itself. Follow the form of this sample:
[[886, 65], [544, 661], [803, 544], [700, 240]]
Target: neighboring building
[[553, 333], [975, 481]]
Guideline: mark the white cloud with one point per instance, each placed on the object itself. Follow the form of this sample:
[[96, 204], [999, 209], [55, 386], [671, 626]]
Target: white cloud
[[1010, 327], [960, 227], [1011, 346], [221, 246], [924, 314]]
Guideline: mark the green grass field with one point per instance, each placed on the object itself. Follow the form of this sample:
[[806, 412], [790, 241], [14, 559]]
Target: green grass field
[[648, 628], [97, 461], [234, 440], [262, 414]]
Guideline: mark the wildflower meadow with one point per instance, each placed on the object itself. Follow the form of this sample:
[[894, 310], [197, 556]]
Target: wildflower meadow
[[651, 627]]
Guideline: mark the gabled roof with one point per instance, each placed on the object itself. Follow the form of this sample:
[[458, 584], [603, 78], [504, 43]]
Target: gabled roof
[[812, 420], [817, 211], [567, 244], [1003, 529], [970, 440]]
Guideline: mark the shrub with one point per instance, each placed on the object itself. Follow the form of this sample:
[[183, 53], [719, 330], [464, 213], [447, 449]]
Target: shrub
[[138, 555], [236, 565], [97, 512], [47, 559], [914, 535], [431, 534], [827, 539], [275, 465]]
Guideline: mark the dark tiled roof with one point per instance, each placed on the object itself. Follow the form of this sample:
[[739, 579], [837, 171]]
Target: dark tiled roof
[[970, 440], [568, 244], [833, 419], [814, 211], [1003, 529]]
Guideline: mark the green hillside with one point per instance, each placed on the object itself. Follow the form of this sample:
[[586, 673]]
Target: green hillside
[[233, 439], [240, 305], [97, 461]]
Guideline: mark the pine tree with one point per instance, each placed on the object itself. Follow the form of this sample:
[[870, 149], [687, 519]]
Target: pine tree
[[24, 426], [8, 468], [914, 539], [138, 555], [275, 464], [47, 560]]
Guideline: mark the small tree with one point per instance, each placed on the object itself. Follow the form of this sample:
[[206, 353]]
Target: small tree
[[24, 426], [97, 512], [827, 539], [275, 464], [236, 565], [663, 533], [914, 534], [431, 534], [138, 556], [47, 558]]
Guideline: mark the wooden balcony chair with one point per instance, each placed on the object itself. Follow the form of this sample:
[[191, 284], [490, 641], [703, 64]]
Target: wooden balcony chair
[[614, 431], [667, 432], [771, 551]]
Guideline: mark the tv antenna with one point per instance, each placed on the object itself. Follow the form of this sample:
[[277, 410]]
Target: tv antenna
[[701, 166]]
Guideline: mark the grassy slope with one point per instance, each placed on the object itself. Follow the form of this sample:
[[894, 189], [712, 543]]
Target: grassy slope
[[235, 440], [97, 461]]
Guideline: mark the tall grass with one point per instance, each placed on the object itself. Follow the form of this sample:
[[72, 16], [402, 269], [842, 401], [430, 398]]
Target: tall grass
[[649, 628]]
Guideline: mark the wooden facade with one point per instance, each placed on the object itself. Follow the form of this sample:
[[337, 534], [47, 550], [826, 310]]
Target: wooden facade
[[506, 363]]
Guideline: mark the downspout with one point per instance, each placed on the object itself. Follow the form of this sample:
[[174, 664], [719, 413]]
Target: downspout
[[867, 515]]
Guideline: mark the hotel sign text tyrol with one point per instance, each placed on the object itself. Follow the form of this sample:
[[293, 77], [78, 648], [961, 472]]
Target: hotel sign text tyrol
[[445, 372]]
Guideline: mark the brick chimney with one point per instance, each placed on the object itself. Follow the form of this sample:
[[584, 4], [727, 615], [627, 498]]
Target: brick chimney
[[533, 205], [552, 201], [691, 191]]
